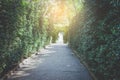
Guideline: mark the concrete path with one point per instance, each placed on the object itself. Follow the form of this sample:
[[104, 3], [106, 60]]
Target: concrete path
[[56, 62]]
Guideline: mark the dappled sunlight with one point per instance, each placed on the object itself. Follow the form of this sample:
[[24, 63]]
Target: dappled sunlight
[[32, 63], [47, 51], [34, 23], [26, 67], [91, 28], [21, 74]]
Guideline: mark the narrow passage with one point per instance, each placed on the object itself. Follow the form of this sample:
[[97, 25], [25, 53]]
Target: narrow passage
[[56, 62]]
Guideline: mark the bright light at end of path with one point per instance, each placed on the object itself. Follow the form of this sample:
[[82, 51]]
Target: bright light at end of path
[[60, 38], [60, 12]]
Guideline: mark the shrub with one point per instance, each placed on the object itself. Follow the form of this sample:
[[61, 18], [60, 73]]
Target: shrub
[[94, 33], [22, 31]]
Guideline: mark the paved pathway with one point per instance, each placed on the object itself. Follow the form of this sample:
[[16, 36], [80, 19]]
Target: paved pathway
[[56, 62]]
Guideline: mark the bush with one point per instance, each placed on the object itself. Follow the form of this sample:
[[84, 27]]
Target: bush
[[94, 33], [22, 31]]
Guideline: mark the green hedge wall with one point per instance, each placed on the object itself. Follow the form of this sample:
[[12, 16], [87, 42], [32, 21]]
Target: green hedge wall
[[22, 31], [95, 34]]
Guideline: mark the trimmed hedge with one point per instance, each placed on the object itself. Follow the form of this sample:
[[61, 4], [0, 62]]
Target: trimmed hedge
[[95, 34], [22, 31]]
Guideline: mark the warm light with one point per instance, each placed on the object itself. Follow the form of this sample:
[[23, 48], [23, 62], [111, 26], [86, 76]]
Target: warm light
[[60, 13]]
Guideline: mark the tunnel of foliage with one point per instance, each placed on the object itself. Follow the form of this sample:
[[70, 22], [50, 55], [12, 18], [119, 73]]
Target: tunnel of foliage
[[23, 31], [95, 35]]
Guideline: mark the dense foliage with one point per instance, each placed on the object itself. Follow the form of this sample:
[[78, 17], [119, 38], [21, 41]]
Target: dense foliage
[[28, 25], [23, 31], [95, 34]]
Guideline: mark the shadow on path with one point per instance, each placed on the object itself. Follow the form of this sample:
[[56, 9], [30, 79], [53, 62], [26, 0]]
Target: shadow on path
[[56, 62]]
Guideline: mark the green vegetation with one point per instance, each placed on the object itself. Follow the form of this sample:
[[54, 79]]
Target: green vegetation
[[91, 27], [95, 34], [23, 31]]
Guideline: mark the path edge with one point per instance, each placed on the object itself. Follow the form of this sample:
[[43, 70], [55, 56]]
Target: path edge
[[84, 63], [9, 73]]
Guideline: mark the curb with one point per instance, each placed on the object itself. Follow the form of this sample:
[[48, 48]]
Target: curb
[[85, 64]]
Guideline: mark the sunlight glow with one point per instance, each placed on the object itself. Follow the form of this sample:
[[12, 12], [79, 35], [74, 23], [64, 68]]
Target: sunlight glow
[[60, 38], [59, 12]]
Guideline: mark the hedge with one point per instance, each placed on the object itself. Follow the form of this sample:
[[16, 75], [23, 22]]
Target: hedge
[[95, 34], [22, 31]]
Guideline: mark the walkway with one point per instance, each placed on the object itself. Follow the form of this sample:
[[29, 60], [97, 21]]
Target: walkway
[[56, 62]]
